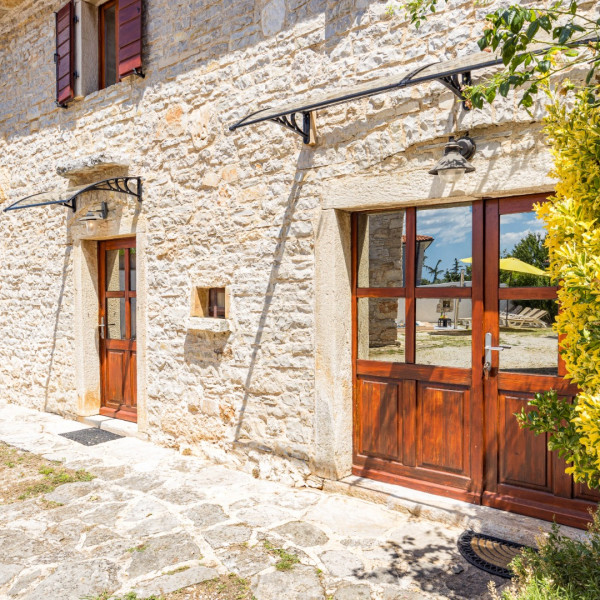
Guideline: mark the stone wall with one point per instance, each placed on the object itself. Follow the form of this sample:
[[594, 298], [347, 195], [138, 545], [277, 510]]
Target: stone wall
[[237, 209]]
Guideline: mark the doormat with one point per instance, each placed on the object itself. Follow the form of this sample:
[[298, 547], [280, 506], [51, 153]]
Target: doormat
[[91, 436], [488, 553]]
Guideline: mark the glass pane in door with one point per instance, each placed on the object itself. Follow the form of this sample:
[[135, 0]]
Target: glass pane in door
[[523, 255], [132, 270], [381, 249], [444, 246], [381, 329], [115, 318], [115, 270], [526, 326], [443, 332]]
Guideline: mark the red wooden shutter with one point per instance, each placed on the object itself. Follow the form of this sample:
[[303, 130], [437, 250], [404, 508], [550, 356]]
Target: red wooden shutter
[[65, 53], [130, 37]]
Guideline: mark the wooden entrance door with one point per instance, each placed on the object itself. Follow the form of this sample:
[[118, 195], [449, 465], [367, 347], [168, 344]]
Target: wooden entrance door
[[117, 293], [521, 475], [418, 392], [428, 284]]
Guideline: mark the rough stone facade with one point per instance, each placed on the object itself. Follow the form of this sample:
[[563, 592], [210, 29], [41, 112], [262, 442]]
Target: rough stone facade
[[254, 210]]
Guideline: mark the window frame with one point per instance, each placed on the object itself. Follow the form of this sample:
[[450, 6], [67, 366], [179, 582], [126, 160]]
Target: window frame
[[101, 43]]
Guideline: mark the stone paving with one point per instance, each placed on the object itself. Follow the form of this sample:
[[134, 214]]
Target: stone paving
[[151, 511]]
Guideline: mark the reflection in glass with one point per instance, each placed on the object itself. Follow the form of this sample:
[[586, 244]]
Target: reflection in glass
[[115, 270], [523, 255], [110, 46], [381, 248], [381, 329], [444, 246], [526, 326], [115, 318], [132, 270], [443, 332], [133, 319]]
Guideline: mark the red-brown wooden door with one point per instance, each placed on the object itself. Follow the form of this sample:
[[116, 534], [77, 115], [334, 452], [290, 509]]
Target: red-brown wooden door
[[427, 287], [118, 327], [418, 405], [521, 475]]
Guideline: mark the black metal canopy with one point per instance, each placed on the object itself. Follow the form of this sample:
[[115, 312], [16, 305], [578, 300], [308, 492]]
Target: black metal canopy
[[454, 74], [131, 186]]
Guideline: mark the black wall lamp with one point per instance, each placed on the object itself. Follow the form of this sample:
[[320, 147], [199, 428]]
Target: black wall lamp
[[93, 216], [454, 164]]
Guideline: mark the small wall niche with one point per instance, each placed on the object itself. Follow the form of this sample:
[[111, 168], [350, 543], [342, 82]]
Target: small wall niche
[[210, 302], [209, 309]]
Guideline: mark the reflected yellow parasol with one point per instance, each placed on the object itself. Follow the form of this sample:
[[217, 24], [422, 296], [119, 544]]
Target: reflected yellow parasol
[[514, 264]]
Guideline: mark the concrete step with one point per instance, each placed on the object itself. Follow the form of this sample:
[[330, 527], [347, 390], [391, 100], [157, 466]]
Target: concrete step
[[117, 426], [483, 519]]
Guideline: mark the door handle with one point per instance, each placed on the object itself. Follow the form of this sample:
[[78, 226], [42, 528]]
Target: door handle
[[487, 365]]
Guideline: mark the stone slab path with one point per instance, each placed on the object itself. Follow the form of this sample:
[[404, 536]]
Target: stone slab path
[[154, 521]]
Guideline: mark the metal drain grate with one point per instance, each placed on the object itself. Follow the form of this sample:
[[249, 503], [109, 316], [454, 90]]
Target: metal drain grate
[[91, 436], [488, 553]]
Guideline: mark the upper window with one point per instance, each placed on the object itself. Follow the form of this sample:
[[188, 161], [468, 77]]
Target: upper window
[[109, 35], [108, 43]]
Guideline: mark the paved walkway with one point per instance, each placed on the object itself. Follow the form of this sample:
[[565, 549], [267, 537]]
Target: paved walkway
[[151, 512]]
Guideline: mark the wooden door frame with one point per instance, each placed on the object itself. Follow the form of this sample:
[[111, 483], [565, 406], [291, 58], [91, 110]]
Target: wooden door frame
[[127, 344], [565, 502]]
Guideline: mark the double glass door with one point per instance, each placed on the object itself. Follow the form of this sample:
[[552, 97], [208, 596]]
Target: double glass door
[[433, 287]]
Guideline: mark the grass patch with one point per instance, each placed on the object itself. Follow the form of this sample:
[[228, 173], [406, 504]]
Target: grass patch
[[24, 475], [286, 559], [225, 587], [139, 548], [177, 570], [127, 596]]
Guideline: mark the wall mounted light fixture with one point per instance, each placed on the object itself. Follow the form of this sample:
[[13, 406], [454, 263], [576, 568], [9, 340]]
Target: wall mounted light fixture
[[454, 164], [92, 217]]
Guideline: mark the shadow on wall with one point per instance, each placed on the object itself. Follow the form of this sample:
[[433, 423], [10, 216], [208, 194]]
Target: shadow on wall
[[59, 306], [282, 239], [205, 349]]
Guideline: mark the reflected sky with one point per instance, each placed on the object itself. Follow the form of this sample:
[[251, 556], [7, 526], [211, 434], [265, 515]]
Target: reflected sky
[[513, 228], [451, 229]]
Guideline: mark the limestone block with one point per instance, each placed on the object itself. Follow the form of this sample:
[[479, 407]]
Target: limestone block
[[208, 324], [273, 17]]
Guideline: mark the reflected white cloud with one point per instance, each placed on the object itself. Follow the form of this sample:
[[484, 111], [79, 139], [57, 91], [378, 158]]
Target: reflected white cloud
[[446, 225]]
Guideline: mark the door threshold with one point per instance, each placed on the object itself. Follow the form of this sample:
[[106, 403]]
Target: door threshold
[[118, 426], [422, 505]]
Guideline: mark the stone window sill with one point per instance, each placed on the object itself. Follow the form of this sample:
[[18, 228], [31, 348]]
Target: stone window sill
[[208, 324]]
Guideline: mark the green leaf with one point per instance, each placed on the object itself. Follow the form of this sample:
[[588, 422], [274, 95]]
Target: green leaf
[[508, 51], [544, 66], [517, 23], [504, 88], [483, 42], [526, 100], [477, 100], [545, 23], [533, 28], [563, 34], [490, 94]]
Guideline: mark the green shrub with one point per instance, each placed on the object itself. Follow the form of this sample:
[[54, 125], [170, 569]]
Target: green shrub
[[563, 569]]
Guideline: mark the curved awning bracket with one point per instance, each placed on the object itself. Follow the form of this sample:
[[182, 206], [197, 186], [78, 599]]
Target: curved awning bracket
[[132, 186]]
